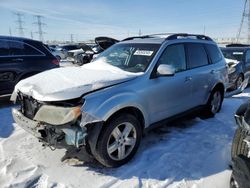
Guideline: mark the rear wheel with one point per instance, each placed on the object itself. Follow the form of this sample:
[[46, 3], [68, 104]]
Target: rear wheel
[[214, 103], [118, 141]]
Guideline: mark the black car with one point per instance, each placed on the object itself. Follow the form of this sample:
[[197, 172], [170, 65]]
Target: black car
[[21, 58], [241, 149], [238, 59]]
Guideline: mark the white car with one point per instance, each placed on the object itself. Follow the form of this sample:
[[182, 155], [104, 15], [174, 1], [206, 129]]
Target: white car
[[57, 53]]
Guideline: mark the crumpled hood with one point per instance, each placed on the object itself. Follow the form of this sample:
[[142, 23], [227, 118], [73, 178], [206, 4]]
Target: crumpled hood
[[71, 82], [232, 61]]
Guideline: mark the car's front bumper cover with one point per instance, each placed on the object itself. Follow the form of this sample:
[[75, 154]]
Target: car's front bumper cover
[[27, 124]]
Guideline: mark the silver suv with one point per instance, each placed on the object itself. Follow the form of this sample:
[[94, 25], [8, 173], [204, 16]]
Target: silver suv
[[106, 105]]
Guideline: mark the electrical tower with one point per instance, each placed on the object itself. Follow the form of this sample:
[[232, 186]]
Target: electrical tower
[[20, 22], [245, 18], [40, 24], [71, 38]]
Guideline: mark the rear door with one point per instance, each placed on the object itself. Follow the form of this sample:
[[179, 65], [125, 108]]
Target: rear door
[[199, 67], [7, 75]]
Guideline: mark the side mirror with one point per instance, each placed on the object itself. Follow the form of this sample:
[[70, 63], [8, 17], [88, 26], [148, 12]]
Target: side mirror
[[165, 70]]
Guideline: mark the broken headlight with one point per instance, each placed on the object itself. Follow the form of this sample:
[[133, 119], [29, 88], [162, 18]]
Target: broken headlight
[[56, 115]]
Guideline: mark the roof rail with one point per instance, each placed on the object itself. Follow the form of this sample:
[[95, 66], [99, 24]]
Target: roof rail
[[183, 35], [137, 37], [171, 36]]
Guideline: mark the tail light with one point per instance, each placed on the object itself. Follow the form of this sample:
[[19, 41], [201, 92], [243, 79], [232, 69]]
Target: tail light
[[55, 61]]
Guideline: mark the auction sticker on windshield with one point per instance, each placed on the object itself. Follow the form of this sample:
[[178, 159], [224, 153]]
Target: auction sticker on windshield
[[143, 52]]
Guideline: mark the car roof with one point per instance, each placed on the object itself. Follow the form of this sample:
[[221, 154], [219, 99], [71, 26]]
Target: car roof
[[19, 39]]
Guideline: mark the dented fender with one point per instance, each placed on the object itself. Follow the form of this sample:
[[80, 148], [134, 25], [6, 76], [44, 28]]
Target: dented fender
[[101, 108]]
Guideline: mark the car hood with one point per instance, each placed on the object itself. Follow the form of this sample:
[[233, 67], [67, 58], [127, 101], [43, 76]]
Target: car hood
[[231, 62], [71, 82]]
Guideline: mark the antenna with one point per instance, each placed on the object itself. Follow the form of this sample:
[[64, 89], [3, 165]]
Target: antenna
[[39, 23]]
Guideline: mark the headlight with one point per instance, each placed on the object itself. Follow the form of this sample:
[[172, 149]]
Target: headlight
[[56, 115], [231, 70]]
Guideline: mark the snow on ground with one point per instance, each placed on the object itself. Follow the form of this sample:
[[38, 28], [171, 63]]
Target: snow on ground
[[189, 152]]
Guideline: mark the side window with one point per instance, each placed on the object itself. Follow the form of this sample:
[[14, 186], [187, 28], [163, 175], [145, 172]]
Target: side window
[[16, 48], [29, 50], [248, 56], [197, 56], [4, 48], [174, 55], [214, 53], [20, 48]]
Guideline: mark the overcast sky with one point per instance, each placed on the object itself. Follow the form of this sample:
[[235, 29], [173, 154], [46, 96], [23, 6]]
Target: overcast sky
[[86, 19]]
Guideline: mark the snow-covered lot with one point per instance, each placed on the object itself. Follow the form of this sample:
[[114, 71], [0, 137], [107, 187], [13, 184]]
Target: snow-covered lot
[[188, 153]]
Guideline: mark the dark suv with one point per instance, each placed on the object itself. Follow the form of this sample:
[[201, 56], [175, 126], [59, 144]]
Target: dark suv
[[238, 60], [21, 58]]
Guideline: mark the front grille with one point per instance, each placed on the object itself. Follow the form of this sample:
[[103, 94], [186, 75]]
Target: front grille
[[29, 106]]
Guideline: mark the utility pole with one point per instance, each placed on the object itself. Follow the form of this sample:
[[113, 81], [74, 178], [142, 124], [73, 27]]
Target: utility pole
[[20, 22], [204, 30], [10, 32], [40, 24], [139, 32], [245, 15]]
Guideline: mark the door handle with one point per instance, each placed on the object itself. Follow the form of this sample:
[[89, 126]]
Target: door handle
[[188, 78], [17, 59]]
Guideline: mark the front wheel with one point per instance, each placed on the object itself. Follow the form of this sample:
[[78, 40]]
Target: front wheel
[[118, 141]]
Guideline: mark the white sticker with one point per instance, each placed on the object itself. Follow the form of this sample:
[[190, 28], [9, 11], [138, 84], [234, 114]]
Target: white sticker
[[237, 53], [143, 52]]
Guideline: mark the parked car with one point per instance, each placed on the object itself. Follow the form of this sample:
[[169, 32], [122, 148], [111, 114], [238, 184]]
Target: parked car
[[105, 106], [66, 48], [241, 149], [86, 55], [57, 53], [82, 48], [21, 58], [238, 59]]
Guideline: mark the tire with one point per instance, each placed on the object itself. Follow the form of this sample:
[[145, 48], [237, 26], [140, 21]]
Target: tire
[[239, 147], [116, 157], [233, 183], [212, 107], [238, 82]]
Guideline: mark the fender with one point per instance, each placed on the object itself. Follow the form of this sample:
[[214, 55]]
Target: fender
[[102, 107]]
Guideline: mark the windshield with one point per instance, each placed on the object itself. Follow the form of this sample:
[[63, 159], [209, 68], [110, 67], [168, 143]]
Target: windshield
[[235, 54], [129, 57]]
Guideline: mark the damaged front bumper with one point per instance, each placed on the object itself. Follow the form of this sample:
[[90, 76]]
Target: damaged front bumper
[[56, 136]]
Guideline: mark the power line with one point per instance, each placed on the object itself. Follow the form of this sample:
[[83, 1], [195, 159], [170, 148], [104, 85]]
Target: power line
[[40, 24], [20, 22], [245, 14]]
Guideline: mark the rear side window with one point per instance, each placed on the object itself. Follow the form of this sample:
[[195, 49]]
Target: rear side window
[[197, 55], [214, 53], [174, 55]]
